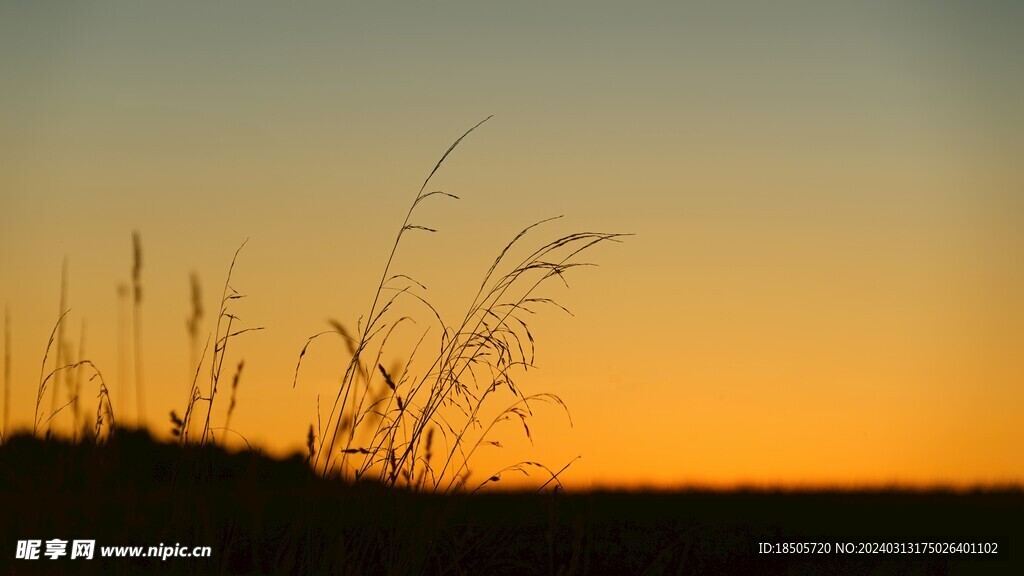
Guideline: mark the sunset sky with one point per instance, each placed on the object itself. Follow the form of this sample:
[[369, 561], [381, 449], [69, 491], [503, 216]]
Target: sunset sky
[[826, 282]]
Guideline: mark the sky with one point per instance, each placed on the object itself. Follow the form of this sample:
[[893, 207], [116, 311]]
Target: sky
[[824, 285]]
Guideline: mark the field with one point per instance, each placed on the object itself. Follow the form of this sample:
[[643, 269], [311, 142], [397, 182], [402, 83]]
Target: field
[[263, 516], [384, 484]]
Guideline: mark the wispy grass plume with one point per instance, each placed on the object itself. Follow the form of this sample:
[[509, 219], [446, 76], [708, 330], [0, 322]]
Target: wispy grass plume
[[381, 424]]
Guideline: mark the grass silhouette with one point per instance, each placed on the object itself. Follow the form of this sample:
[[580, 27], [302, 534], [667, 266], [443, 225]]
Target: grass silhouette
[[476, 358], [7, 373]]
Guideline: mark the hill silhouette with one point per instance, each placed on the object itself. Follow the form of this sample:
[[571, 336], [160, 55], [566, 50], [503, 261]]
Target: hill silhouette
[[259, 515]]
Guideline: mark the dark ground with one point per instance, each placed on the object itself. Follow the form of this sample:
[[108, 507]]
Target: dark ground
[[263, 516]]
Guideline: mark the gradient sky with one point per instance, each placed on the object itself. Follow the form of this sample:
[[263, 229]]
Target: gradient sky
[[826, 283]]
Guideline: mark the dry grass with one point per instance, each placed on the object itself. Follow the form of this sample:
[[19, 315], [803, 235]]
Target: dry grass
[[381, 424], [194, 321], [224, 333], [417, 424], [7, 372], [104, 407], [75, 382], [61, 346], [45, 378], [234, 393], [137, 325]]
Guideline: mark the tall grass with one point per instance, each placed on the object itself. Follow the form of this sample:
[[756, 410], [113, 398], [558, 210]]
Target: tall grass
[[45, 378], [137, 325], [71, 371], [122, 347], [418, 424], [75, 381], [224, 333], [61, 345], [194, 320], [44, 385], [234, 394], [382, 425], [7, 370]]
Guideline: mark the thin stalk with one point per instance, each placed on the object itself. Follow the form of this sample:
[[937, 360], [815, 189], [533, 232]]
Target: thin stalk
[[122, 348], [348, 380], [59, 359], [41, 389], [137, 325], [7, 369], [220, 343]]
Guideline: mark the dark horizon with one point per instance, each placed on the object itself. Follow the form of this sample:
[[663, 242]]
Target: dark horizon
[[259, 514]]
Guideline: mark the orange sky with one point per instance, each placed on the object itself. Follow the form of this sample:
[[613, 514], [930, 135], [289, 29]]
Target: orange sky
[[825, 285]]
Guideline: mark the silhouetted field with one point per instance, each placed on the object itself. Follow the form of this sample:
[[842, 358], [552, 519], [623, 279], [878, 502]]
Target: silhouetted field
[[414, 430], [266, 516]]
